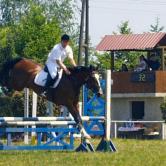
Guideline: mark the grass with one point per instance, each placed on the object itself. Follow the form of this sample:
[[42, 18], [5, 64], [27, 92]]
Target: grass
[[130, 153]]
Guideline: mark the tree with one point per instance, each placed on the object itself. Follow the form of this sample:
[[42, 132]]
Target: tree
[[35, 35], [123, 28], [63, 10], [156, 27], [12, 10], [34, 26], [6, 44], [129, 58]]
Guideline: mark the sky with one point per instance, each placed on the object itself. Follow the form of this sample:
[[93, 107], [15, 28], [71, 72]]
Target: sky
[[106, 15]]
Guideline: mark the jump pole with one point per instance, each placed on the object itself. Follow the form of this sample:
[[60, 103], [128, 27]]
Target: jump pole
[[34, 112], [106, 142], [108, 106], [26, 112]]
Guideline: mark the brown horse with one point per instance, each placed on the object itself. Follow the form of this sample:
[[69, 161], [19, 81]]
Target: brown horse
[[19, 73]]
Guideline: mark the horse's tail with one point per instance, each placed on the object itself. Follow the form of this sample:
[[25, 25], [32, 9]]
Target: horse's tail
[[5, 69], [10, 63]]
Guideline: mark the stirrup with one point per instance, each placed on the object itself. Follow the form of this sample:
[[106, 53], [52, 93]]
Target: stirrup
[[43, 93]]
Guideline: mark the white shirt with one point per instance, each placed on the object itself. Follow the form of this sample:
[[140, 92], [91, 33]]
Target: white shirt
[[143, 65], [59, 53]]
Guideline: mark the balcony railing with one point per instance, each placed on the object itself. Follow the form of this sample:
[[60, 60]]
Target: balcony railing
[[133, 82]]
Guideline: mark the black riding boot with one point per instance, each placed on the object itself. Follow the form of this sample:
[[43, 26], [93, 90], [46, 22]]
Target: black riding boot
[[49, 82]]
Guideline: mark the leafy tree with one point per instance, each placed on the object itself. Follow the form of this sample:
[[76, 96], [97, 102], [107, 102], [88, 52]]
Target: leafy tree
[[12, 10], [129, 58], [123, 28], [35, 36], [62, 10], [156, 27], [34, 26], [6, 44]]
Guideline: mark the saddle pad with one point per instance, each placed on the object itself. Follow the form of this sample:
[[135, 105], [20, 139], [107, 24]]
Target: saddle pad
[[41, 78]]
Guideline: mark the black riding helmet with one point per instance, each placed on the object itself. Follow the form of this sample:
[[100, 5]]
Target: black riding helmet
[[65, 37]]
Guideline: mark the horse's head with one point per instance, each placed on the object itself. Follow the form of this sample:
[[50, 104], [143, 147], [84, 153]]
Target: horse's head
[[93, 82]]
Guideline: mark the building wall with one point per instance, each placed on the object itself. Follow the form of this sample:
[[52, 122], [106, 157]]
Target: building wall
[[121, 108]]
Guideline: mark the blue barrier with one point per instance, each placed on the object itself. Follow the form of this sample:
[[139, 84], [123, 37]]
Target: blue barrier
[[58, 138], [94, 106]]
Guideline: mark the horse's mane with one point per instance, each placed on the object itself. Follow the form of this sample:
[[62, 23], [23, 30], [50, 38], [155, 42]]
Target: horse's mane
[[77, 69]]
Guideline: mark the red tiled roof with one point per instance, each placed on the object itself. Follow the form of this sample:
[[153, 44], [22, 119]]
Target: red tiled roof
[[132, 41]]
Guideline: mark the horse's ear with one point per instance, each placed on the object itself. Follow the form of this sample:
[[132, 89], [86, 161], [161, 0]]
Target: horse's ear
[[97, 67], [92, 68]]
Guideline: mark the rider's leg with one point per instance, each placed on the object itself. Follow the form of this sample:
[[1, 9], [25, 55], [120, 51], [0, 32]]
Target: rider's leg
[[49, 81], [50, 78]]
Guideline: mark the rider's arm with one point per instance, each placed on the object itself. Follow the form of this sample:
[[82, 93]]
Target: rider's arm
[[62, 66], [72, 61]]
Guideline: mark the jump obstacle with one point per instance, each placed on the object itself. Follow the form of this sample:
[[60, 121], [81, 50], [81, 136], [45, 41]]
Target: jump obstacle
[[57, 133]]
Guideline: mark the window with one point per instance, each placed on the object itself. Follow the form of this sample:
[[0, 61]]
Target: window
[[137, 108]]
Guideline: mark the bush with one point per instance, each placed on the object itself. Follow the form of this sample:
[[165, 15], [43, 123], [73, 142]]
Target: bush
[[13, 106], [163, 110]]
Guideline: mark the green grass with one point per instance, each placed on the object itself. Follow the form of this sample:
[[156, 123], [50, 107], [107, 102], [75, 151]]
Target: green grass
[[130, 153]]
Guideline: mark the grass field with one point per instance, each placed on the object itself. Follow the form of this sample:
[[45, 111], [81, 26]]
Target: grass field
[[130, 153]]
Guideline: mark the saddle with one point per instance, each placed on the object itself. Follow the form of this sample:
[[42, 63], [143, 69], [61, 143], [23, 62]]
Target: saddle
[[44, 79]]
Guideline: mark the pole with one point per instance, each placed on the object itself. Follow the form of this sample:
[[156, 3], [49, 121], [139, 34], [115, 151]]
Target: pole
[[87, 34], [162, 60], [81, 33], [34, 104], [26, 111], [106, 143], [34, 109], [108, 105], [50, 109], [112, 61]]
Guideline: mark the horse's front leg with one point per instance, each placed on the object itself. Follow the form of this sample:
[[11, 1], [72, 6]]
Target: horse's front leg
[[74, 110]]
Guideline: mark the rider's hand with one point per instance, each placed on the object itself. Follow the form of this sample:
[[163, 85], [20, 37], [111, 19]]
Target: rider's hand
[[67, 72]]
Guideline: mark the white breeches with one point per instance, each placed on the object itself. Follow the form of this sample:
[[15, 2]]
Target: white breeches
[[52, 68]]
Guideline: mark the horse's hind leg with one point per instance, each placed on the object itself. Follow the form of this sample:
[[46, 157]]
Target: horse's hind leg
[[76, 115]]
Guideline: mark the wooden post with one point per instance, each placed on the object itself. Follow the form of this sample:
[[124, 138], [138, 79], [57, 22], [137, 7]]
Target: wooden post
[[34, 110], [81, 33], [163, 131], [112, 61], [106, 144], [26, 111], [50, 108], [108, 105], [87, 34], [34, 104], [162, 58], [115, 129]]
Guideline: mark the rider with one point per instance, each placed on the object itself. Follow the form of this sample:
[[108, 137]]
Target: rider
[[55, 60]]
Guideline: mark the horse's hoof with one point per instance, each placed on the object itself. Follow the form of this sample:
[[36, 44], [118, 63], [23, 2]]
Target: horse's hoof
[[87, 141], [87, 137]]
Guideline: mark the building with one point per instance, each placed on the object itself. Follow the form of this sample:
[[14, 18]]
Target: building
[[137, 95]]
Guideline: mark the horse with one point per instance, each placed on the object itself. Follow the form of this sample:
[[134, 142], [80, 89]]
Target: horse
[[19, 73]]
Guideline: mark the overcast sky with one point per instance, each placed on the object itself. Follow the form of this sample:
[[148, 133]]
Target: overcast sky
[[106, 15]]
